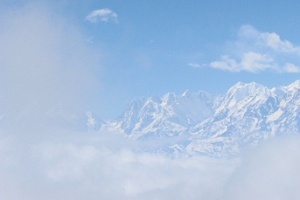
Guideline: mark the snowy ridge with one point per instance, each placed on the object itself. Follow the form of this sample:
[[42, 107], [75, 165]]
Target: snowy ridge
[[214, 125], [169, 115]]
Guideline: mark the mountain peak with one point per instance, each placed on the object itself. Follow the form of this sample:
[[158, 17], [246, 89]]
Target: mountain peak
[[169, 98], [187, 93], [248, 89], [247, 85], [295, 85]]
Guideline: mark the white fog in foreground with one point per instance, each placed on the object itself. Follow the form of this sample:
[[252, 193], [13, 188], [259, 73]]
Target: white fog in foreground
[[70, 165], [83, 166]]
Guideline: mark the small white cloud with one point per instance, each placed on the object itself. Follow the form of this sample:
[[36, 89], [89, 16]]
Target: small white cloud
[[252, 62], [256, 51], [291, 68], [104, 15], [269, 41], [195, 65], [226, 63], [273, 41]]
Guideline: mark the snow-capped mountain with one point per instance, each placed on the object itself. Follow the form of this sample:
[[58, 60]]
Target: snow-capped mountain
[[169, 115], [239, 120], [215, 125]]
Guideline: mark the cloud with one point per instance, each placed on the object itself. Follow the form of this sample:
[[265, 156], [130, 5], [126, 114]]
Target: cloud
[[78, 166], [194, 65], [256, 51], [252, 62], [291, 68], [45, 68], [270, 171], [104, 15], [73, 165]]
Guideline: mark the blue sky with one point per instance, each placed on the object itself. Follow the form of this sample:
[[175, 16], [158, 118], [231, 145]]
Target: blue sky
[[141, 48]]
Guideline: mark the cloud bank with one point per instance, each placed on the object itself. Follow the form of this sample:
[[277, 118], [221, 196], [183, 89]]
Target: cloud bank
[[72, 165], [104, 15], [256, 51]]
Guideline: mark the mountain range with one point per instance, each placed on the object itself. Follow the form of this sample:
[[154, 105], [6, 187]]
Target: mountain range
[[200, 123], [215, 125]]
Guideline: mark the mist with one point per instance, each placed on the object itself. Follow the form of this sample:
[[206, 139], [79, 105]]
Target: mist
[[46, 81], [268, 171], [73, 165], [45, 66], [83, 167]]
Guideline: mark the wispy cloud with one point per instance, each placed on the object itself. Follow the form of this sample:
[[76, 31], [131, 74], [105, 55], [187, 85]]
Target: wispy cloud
[[291, 68], [252, 62], [104, 15], [256, 51], [195, 65]]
